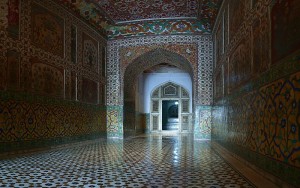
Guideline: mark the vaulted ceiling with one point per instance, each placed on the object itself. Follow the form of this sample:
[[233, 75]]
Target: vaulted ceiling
[[123, 18]]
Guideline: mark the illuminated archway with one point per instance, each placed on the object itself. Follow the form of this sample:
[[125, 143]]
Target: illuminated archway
[[159, 56]]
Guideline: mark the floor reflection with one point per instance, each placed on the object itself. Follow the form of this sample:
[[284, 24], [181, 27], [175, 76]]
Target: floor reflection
[[143, 161]]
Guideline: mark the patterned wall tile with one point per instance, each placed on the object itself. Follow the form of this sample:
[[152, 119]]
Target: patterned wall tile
[[258, 118], [28, 117], [38, 77], [114, 121], [202, 125]]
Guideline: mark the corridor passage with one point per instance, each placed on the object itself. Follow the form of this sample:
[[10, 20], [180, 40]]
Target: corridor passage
[[144, 161]]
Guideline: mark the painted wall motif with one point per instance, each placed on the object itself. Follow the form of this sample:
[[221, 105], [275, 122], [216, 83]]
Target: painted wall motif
[[13, 18], [13, 70], [226, 26], [209, 11], [258, 119], [261, 42], [47, 30], [226, 77], [219, 84], [219, 42], [73, 44], [275, 126], [90, 12], [2, 73], [236, 16], [89, 91], [240, 64], [46, 79], [285, 28], [41, 88], [3, 14], [73, 86], [90, 53]]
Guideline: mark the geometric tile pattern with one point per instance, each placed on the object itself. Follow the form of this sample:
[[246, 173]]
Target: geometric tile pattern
[[150, 161]]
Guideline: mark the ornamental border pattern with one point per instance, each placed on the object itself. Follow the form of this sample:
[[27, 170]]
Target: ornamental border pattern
[[204, 45]]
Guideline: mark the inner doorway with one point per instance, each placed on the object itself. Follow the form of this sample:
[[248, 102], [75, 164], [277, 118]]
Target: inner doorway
[[170, 109], [170, 119]]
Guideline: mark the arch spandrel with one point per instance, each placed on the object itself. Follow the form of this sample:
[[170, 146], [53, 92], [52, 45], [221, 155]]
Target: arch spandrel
[[129, 54]]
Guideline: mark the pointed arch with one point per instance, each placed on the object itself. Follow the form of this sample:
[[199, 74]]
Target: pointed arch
[[130, 73]]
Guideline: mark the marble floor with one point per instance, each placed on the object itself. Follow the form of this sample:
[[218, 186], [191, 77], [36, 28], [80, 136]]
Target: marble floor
[[142, 161]]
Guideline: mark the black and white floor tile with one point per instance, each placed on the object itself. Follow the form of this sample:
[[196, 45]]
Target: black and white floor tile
[[145, 161]]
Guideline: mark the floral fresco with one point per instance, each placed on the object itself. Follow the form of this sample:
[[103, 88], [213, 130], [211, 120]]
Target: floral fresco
[[47, 30]]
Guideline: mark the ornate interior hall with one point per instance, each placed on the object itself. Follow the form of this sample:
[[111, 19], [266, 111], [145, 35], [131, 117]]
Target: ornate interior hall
[[149, 93]]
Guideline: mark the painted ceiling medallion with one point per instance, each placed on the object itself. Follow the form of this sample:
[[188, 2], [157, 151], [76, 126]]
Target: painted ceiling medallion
[[132, 10]]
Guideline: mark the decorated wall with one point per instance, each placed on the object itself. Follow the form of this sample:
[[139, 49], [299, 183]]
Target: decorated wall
[[51, 76], [192, 53], [256, 81]]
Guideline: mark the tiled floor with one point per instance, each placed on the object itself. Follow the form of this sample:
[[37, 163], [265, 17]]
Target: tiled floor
[[145, 161]]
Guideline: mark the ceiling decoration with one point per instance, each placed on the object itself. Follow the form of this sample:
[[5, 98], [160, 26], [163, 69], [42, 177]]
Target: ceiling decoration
[[158, 27], [208, 12], [127, 18], [132, 10]]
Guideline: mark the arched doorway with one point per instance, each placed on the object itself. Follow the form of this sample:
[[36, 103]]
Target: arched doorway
[[135, 120], [170, 109]]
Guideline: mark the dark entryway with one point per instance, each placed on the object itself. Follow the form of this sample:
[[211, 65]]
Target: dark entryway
[[170, 115]]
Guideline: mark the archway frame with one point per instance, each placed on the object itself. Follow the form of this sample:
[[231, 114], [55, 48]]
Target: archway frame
[[120, 53], [130, 74]]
